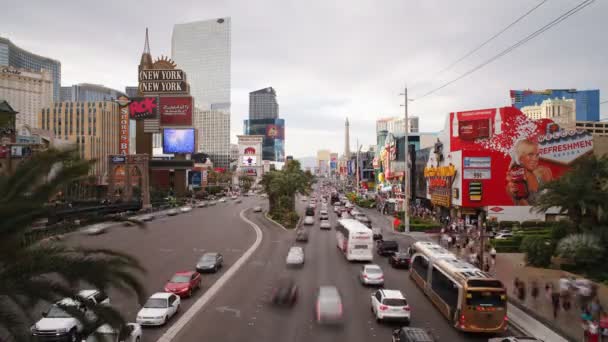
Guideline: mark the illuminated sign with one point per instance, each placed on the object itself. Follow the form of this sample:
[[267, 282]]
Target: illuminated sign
[[176, 111], [143, 108], [249, 160], [123, 136], [170, 81]]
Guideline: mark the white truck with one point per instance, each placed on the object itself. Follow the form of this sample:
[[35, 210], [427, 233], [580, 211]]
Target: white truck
[[58, 325]]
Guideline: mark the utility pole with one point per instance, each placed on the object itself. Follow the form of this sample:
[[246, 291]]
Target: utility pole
[[406, 172], [357, 167]]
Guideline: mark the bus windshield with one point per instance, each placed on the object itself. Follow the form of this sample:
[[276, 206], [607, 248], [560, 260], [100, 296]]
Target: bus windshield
[[486, 298]]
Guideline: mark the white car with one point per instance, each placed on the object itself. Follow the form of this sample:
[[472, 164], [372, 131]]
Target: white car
[[59, 324], [371, 275], [295, 256], [105, 333], [222, 200], [390, 305], [323, 212], [201, 204], [503, 236], [172, 212], [325, 224], [257, 209], [158, 309], [309, 220], [185, 209]]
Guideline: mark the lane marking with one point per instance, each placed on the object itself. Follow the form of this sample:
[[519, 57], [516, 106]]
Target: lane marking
[[172, 332]]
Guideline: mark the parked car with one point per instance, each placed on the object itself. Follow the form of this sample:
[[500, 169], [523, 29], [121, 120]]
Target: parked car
[[210, 262], [129, 333], [172, 212], [400, 260], [185, 209], [183, 283], [407, 334], [371, 275], [386, 247], [503, 236], [159, 308], [59, 325], [328, 306], [285, 292], [390, 305]]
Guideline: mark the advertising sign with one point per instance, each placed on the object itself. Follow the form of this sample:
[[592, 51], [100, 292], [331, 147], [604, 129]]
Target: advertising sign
[[17, 151], [250, 160], [170, 81], [440, 181], [275, 131], [249, 151], [586, 103], [123, 136], [119, 159], [176, 111], [250, 172], [509, 167], [195, 178], [178, 140], [143, 108], [4, 151]]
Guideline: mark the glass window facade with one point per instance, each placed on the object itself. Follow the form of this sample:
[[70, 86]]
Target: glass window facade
[[273, 130]]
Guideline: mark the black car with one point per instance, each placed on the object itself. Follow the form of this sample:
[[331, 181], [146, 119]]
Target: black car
[[377, 233], [210, 262], [400, 260], [285, 292], [310, 211], [386, 247], [302, 235], [407, 334]]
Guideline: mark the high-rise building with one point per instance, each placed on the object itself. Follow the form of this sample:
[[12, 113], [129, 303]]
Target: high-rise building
[[27, 91], [586, 102], [273, 130], [14, 56], [234, 152], [92, 127], [85, 92], [263, 104], [131, 91], [213, 135], [203, 49]]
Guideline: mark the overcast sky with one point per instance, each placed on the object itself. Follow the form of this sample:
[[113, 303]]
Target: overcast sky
[[331, 59]]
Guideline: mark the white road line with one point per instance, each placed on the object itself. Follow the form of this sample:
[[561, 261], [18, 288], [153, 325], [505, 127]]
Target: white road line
[[172, 332]]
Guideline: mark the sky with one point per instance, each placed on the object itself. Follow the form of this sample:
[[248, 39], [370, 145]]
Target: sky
[[329, 60]]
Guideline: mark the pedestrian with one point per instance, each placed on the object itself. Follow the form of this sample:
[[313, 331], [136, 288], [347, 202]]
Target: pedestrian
[[493, 253], [548, 291], [515, 285], [521, 291], [595, 308], [555, 302], [566, 301], [486, 267], [534, 290]]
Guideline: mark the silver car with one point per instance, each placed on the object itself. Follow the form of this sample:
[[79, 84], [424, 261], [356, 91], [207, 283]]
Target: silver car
[[371, 275], [328, 307], [309, 220]]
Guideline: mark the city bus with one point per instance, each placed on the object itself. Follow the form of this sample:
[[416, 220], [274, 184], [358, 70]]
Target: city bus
[[472, 300], [355, 240]]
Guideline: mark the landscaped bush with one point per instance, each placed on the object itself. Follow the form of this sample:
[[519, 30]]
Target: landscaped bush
[[538, 250], [506, 246], [584, 249], [507, 224]]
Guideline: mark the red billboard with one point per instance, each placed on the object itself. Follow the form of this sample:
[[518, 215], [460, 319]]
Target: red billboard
[[176, 111], [509, 163], [275, 131]]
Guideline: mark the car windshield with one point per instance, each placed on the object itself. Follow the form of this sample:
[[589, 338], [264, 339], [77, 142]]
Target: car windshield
[[156, 303], [57, 312], [180, 278], [486, 298], [401, 255], [394, 302], [208, 257], [373, 270]]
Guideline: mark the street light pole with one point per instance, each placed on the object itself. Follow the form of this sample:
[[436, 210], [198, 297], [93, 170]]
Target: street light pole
[[406, 183]]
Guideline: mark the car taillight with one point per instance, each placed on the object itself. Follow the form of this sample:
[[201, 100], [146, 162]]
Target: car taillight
[[340, 310], [506, 318], [318, 312], [462, 321], [383, 307], [365, 276], [381, 278], [406, 308]]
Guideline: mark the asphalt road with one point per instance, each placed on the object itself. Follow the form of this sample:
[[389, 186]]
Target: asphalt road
[[171, 244], [242, 312]]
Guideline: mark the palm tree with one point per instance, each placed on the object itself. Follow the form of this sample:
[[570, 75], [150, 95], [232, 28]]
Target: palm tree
[[282, 186], [246, 182], [581, 193], [37, 271]]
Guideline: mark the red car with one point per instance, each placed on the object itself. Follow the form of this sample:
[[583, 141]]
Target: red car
[[184, 283]]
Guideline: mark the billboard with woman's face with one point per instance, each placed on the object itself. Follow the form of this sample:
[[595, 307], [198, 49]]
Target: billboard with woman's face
[[514, 156]]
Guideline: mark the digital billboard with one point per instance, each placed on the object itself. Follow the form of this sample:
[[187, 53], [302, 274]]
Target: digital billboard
[[275, 131], [178, 140], [176, 111], [250, 160], [143, 108]]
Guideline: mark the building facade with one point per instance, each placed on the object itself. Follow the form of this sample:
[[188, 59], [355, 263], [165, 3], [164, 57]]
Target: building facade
[[85, 92], [27, 91], [263, 104], [323, 162], [203, 50], [92, 127], [596, 128], [131, 91], [13, 56], [213, 129], [586, 102], [273, 131], [396, 125]]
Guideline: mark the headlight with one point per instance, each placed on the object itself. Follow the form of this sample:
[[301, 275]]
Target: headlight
[[159, 317], [33, 328]]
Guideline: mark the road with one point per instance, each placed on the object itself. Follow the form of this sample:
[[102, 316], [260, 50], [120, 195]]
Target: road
[[242, 312], [170, 244]]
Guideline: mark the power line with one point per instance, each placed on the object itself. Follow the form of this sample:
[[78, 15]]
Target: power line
[[490, 39], [533, 35]]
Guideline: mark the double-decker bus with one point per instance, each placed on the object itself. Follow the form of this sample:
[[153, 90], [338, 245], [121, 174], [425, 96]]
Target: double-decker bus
[[472, 300], [355, 240]]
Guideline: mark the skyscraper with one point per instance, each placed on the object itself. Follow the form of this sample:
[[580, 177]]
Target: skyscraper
[[203, 49], [213, 135], [14, 56], [263, 104]]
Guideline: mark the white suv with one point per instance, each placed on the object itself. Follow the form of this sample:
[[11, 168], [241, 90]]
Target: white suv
[[58, 324], [390, 305]]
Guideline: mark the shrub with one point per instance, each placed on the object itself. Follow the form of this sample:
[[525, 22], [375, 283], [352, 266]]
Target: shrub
[[584, 249], [507, 224], [538, 250]]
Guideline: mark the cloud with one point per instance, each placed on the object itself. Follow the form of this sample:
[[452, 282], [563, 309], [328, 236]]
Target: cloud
[[331, 59]]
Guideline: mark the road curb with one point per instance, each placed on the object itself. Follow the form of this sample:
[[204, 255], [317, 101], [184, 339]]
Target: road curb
[[278, 224], [172, 332]]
